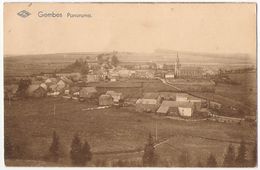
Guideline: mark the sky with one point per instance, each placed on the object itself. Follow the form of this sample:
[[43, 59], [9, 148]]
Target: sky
[[211, 28]]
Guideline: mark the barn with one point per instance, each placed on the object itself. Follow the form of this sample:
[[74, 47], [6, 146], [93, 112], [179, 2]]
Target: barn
[[146, 105]]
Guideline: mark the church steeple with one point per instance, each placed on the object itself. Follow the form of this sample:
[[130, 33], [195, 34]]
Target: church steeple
[[177, 66]]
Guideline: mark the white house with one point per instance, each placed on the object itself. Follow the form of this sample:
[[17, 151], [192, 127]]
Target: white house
[[185, 111]]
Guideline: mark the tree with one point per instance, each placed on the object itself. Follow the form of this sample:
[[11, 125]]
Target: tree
[[149, 158], [22, 87], [114, 61], [54, 148], [184, 159], [241, 157], [75, 152], [86, 154], [84, 68], [211, 162], [80, 154], [100, 59], [229, 157]]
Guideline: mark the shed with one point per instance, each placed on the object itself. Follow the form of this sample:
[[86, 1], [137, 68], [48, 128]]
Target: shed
[[105, 100], [87, 92]]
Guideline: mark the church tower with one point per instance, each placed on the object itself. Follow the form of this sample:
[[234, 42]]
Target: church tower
[[177, 67]]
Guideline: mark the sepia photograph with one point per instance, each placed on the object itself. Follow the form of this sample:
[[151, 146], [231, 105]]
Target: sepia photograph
[[130, 84]]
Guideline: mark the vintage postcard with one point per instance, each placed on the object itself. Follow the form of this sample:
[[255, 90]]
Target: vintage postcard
[[130, 84]]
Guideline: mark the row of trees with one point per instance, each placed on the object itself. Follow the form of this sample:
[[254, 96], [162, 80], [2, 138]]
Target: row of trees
[[150, 158], [80, 152], [80, 155]]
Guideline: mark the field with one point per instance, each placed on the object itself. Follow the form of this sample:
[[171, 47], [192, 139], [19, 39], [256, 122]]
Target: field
[[113, 132], [243, 95]]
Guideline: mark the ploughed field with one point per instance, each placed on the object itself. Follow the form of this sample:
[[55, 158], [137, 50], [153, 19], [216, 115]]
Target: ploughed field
[[114, 133]]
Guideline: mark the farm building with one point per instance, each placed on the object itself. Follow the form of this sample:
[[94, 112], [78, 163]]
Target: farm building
[[116, 96], [88, 92], [182, 97], [105, 100], [36, 91], [183, 108], [146, 105]]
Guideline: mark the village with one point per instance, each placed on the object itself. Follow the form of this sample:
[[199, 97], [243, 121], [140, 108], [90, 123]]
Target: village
[[158, 97], [109, 84]]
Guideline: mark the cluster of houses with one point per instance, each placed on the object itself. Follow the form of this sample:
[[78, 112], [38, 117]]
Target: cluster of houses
[[169, 104]]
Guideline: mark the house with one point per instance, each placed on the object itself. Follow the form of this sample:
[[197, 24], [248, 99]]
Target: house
[[88, 92], [92, 78], [113, 79], [67, 80], [124, 73], [185, 111], [197, 102], [67, 92], [51, 81], [146, 105], [44, 86], [116, 96], [169, 76], [61, 85], [105, 100], [74, 89], [53, 88]]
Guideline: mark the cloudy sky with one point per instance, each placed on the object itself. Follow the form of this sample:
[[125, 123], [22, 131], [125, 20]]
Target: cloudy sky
[[213, 28]]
